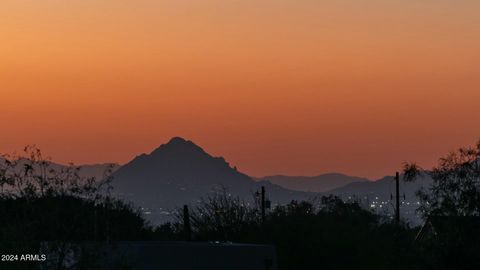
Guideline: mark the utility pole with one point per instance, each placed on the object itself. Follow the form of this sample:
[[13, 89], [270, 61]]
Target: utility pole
[[397, 198], [186, 224], [263, 204]]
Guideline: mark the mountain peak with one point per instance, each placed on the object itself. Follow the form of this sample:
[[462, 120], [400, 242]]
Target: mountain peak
[[179, 145], [177, 140]]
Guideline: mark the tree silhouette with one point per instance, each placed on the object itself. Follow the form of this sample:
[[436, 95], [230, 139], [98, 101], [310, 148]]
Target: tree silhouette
[[46, 207], [456, 184]]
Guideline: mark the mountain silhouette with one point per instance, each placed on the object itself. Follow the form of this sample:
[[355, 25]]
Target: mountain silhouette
[[320, 183], [97, 171], [383, 188], [180, 172], [382, 191]]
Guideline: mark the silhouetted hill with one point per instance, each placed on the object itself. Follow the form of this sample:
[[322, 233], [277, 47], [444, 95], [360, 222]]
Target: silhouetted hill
[[320, 183], [98, 171], [180, 172], [377, 195], [383, 187]]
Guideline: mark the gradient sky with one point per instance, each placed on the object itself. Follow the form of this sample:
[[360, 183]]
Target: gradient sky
[[297, 87]]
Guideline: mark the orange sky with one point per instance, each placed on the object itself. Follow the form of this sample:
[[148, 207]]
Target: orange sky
[[275, 86]]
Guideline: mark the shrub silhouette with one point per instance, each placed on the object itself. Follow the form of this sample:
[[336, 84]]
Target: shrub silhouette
[[330, 234], [42, 204]]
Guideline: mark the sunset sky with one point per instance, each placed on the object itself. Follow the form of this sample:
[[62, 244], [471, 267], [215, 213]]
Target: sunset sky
[[298, 87]]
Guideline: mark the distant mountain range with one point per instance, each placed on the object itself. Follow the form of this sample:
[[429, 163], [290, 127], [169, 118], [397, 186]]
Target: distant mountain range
[[380, 196], [180, 172], [97, 171], [383, 188], [320, 183]]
